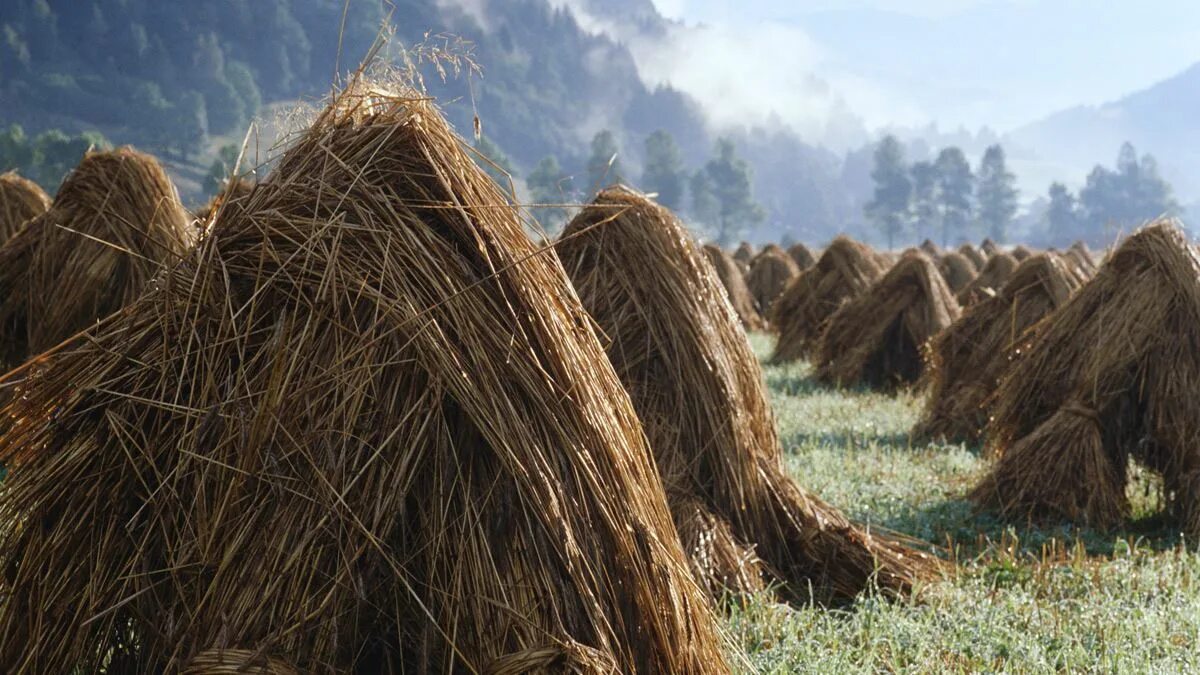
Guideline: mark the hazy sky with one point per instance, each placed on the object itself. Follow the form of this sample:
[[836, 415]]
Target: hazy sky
[[999, 63]]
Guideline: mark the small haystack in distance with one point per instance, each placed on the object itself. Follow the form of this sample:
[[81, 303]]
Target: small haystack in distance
[[115, 223], [971, 253], [1082, 256], [1020, 253], [735, 288], [967, 360], [770, 273], [744, 254], [365, 427], [20, 200], [699, 392], [1113, 374], [998, 270], [845, 270], [957, 270], [802, 255], [878, 339], [931, 249], [989, 247]]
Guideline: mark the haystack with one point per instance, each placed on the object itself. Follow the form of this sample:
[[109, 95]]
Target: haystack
[[770, 273], [235, 192], [878, 338], [735, 288], [957, 270], [699, 392], [20, 200], [115, 223], [978, 260], [1020, 253], [744, 254], [998, 270], [989, 247], [1113, 374], [967, 360], [364, 427], [931, 249], [802, 255], [800, 315], [1081, 255]]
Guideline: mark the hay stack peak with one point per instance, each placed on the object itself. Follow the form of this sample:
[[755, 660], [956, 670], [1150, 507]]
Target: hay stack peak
[[999, 268], [802, 255], [957, 270], [878, 338], [735, 288], [770, 273], [20, 200], [699, 392], [978, 260]]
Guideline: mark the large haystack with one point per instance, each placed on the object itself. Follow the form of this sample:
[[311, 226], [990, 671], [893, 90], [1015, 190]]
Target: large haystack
[[978, 260], [957, 270], [802, 255], [20, 200], [845, 270], [967, 360], [735, 288], [700, 394], [1113, 374], [115, 223], [364, 427], [998, 270], [770, 273], [878, 339]]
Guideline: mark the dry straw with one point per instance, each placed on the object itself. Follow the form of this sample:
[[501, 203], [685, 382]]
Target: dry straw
[[957, 270], [967, 360], [114, 225], [845, 270], [1111, 375], [1081, 255], [1021, 253], [234, 194], [978, 260], [20, 200], [770, 273], [878, 339], [364, 427], [802, 256], [999, 268], [735, 288], [699, 391]]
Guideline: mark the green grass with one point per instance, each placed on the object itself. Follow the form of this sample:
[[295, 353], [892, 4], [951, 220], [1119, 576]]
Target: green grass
[[1022, 599]]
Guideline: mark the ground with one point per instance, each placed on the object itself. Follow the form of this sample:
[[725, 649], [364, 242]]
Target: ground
[[1022, 599]]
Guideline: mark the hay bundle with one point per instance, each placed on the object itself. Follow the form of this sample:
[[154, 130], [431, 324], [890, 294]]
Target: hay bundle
[[971, 253], [1111, 375], [115, 223], [998, 270], [744, 254], [20, 200], [968, 359], [735, 288], [1020, 253], [364, 427], [989, 247], [700, 395], [770, 273], [931, 249], [957, 270], [878, 338], [845, 270], [802, 256], [1081, 255]]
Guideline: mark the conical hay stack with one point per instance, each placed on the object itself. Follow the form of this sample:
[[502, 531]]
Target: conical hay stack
[[115, 223], [931, 249], [802, 256], [699, 392], [20, 200], [846, 270], [878, 338], [989, 247], [770, 273], [1020, 253], [967, 360], [957, 270], [1082, 256], [998, 270], [735, 288], [971, 253], [364, 427], [1112, 374], [744, 253]]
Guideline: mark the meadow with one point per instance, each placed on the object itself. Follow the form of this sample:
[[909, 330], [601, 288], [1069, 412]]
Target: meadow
[[1020, 600]]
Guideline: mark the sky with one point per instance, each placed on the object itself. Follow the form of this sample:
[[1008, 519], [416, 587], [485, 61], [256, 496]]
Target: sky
[[970, 63]]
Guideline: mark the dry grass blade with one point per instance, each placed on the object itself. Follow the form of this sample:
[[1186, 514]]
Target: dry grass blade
[[770, 273], [699, 391], [735, 288], [999, 268], [20, 200], [364, 427], [233, 195]]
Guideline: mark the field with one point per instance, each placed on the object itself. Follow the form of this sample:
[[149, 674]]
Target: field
[[1021, 600]]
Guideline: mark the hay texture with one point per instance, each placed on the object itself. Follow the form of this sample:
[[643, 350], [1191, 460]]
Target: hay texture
[[998, 270], [364, 427], [1111, 375], [699, 392], [846, 270], [234, 195], [878, 339], [1021, 253], [802, 256], [1081, 255], [115, 223], [967, 360], [735, 288], [978, 260], [20, 200], [957, 270], [770, 273]]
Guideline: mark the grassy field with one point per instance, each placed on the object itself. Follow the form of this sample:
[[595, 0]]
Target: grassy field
[[1022, 599]]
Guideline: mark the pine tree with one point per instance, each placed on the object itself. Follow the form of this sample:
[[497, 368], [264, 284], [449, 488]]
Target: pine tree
[[664, 169], [730, 180], [604, 166], [956, 187], [893, 190], [997, 194]]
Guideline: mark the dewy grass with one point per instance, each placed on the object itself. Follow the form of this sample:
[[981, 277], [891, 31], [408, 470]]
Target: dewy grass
[[1023, 599]]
